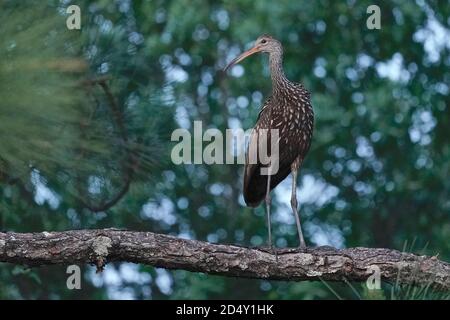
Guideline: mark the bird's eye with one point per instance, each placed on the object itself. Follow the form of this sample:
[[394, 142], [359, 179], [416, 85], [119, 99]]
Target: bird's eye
[[263, 41]]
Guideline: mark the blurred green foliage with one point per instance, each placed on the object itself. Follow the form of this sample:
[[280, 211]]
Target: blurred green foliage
[[377, 173]]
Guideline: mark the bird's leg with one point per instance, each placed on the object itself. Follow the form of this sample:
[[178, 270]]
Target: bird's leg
[[294, 206], [268, 201]]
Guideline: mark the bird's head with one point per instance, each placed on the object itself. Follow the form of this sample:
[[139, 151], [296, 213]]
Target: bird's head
[[264, 43]]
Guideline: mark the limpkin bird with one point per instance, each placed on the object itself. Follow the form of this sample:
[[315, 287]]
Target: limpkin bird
[[289, 111]]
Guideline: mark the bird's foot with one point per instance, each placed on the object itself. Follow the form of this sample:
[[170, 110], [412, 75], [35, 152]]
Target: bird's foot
[[269, 249], [302, 244], [301, 241]]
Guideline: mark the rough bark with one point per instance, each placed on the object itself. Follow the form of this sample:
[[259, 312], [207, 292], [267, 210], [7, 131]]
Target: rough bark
[[325, 263]]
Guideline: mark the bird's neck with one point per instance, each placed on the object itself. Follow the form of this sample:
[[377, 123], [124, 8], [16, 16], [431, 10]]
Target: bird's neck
[[277, 72]]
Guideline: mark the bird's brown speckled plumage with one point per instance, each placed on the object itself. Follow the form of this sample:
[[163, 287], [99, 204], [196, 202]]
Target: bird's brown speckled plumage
[[289, 110]]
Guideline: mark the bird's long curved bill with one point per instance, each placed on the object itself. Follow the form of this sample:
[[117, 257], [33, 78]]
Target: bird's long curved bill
[[241, 57]]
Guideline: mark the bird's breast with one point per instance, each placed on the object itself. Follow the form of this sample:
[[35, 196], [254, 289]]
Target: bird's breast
[[293, 117]]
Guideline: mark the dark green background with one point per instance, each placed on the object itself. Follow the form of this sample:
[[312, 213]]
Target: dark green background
[[377, 174]]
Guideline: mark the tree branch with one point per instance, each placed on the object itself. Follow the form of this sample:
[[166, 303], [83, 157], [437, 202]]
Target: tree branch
[[325, 263]]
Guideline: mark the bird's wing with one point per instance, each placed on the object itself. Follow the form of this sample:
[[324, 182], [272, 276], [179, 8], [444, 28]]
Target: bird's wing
[[255, 179], [291, 145], [252, 163], [264, 108]]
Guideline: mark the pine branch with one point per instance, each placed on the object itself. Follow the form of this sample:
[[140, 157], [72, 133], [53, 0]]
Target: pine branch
[[323, 263], [130, 164]]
